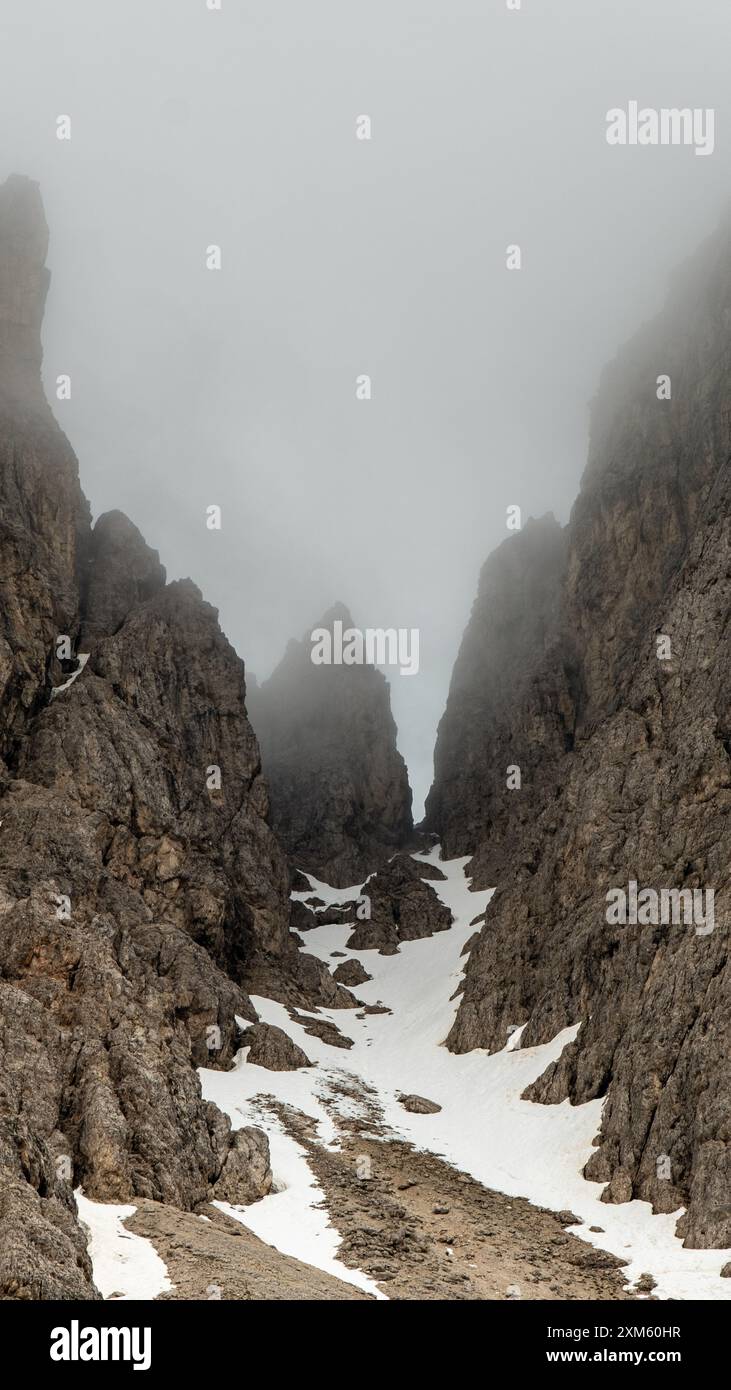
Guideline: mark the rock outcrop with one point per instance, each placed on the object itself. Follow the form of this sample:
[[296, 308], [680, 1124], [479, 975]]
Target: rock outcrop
[[419, 1105], [304, 917], [623, 742], [272, 1048], [341, 801], [400, 906], [139, 878], [351, 973]]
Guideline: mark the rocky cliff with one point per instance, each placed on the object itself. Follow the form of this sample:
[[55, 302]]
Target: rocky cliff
[[341, 802], [623, 743], [139, 878], [510, 627]]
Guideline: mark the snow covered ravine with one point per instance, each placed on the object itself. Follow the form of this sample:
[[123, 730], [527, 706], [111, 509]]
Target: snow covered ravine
[[514, 1146], [125, 1265]]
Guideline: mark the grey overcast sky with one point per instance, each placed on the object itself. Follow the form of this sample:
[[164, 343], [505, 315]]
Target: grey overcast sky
[[339, 256]]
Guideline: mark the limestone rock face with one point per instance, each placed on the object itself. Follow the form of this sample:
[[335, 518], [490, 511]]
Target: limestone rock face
[[123, 571], [494, 678], [44, 518], [140, 881], [626, 771], [341, 800]]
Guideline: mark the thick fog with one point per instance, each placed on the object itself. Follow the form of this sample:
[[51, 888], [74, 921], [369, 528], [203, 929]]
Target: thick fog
[[192, 387]]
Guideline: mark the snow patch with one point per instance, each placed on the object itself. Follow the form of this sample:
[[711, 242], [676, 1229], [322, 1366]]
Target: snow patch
[[124, 1264], [294, 1219]]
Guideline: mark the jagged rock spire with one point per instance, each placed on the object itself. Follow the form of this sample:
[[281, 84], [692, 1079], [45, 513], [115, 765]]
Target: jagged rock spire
[[340, 795]]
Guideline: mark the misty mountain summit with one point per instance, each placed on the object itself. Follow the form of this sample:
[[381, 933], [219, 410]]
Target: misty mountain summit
[[340, 797]]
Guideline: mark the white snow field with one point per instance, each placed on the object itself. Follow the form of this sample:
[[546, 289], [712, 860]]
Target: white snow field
[[484, 1128], [124, 1264]]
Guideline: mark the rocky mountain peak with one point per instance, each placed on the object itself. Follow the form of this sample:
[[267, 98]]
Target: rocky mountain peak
[[340, 796], [338, 612], [122, 572]]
